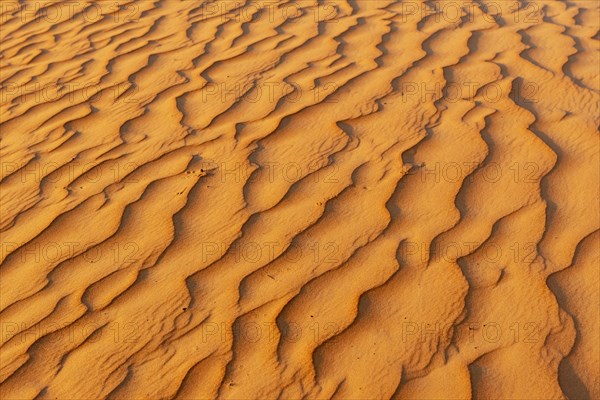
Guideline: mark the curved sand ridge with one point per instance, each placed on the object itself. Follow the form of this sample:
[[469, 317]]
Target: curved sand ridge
[[303, 199]]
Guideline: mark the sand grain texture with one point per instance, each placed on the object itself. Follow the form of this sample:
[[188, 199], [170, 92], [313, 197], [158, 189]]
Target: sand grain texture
[[350, 199]]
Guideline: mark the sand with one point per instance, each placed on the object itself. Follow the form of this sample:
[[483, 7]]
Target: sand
[[350, 199]]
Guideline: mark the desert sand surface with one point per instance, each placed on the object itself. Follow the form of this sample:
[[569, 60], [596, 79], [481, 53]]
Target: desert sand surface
[[310, 199]]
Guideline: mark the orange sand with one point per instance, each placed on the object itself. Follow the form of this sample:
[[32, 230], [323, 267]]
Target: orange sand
[[349, 199]]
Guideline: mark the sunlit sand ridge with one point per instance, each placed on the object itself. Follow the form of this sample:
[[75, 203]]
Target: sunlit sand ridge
[[350, 199]]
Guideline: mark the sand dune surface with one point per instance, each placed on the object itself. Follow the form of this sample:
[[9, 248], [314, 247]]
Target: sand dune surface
[[309, 199]]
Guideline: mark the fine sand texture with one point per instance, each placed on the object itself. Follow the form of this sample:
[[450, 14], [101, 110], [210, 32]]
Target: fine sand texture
[[300, 199]]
